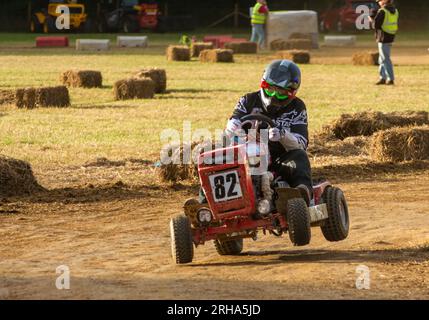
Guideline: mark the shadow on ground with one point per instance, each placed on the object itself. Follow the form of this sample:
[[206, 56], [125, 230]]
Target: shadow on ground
[[416, 255]]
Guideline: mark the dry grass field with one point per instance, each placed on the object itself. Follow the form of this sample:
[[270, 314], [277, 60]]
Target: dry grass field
[[105, 212]]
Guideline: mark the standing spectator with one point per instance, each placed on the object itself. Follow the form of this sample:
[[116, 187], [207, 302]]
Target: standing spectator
[[386, 26], [259, 18]]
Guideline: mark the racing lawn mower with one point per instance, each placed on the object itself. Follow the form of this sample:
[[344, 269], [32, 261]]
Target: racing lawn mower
[[238, 204]]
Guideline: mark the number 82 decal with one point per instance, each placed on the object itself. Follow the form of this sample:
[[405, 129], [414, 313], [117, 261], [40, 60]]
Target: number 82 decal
[[225, 186]]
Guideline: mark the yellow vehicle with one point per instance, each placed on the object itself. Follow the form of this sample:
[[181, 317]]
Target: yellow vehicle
[[43, 16]]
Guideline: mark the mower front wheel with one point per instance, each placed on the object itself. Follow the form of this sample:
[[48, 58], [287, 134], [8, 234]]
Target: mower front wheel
[[336, 227], [229, 247], [298, 220], [182, 247]]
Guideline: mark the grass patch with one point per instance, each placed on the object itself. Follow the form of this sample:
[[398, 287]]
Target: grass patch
[[205, 94]]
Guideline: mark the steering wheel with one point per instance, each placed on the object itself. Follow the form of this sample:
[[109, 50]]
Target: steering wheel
[[259, 118]]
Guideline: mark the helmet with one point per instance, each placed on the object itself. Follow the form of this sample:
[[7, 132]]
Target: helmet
[[280, 83]]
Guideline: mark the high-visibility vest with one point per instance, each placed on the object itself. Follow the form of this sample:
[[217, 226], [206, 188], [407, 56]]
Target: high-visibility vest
[[390, 24], [258, 18]]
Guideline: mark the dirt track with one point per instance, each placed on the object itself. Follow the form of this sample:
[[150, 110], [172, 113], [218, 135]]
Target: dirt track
[[115, 240]]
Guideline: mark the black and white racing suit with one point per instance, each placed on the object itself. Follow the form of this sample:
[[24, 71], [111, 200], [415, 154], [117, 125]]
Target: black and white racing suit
[[289, 156]]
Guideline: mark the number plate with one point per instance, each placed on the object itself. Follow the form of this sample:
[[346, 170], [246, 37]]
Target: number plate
[[225, 186]]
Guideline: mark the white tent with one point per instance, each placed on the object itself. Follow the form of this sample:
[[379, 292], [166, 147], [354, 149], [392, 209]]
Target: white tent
[[282, 24]]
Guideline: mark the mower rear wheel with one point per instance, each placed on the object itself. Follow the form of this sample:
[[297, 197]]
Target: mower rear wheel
[[229, 247], [298, 219], [336, 227], [182, 247]]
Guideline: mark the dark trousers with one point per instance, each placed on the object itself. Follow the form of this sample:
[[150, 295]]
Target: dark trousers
[[294, 167]]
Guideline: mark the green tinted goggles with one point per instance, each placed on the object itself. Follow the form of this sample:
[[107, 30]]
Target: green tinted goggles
[[276, 94], [273, 91]]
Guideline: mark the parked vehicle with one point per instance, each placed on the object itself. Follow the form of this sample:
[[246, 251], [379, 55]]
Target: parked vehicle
[[118, 16], [342, 15], [43, 14]]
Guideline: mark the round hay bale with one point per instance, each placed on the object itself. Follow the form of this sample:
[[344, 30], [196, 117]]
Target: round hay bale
[[246, 47], [217, 55], [401, 144], [82, 79], [197, 47], [366, 123], [365, 58], [159, 76], [7, 97], [134, 89], [297, 56], [16, 178], [178, 53]]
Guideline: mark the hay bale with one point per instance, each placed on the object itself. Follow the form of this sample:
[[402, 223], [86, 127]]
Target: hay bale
[[365, 58], [159, 76], [246, 47], [7, 97], [298, 44], [178, 169], [367, 123], [197, 47], [42, 97], [217, 55], [134, 89], [351, 146], [26, 98], [279, 44], [178, 53], [297, 56], [184, 161], [53, 97], [82, 79], [401, 144], [16, 178]]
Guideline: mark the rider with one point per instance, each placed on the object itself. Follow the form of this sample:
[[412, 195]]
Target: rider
[[289, 140]]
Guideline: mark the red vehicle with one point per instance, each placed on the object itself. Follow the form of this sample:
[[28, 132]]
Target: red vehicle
[[342, 15], [239, 204], [148, 15]]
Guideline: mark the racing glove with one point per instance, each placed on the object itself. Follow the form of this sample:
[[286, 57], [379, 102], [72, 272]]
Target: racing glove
[[233, 126], [287, 139]]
